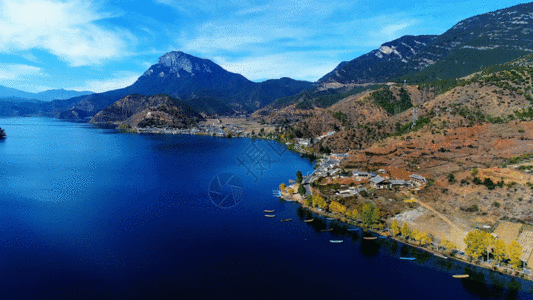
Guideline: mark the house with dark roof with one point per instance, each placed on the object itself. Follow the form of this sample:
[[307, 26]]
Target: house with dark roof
[[379, 182], [418, 178]]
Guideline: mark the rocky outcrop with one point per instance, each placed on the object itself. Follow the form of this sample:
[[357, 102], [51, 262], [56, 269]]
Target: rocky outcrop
[[142, 111]]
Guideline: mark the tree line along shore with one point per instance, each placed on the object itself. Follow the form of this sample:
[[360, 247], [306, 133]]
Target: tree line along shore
[[483, 249]]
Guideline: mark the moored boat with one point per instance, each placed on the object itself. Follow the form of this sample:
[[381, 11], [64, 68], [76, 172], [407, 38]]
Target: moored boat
[[461, 276], [330, 219], [268, 211], [324, 230], [270, 216], [307, 221], [286, 220], [336, 241], [440, 255], [408, 258], [354, 229], [369, 237]]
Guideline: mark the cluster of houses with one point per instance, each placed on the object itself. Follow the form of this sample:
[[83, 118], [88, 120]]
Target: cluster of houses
[[378, 180], [381, 182]]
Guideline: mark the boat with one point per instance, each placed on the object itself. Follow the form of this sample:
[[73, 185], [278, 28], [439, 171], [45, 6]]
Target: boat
[[270, 216], [336, 241], [354, 229], [324, 230], [370, 237], [330, 219], [440, 255], [382, 237], [408, 258], [461, 276], [268, 211], [307, 221], [286, 220]]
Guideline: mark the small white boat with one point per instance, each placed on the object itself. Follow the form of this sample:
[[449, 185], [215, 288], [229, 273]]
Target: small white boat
[[440, 255], [461, 276], [336, 241], [307, 221], [408, 258], [354, 229], [270, 216], [268, 211], [286, 220], [370, 237], [331, 219]]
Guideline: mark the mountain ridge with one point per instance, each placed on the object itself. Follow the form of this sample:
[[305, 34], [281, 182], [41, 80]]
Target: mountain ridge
[[191, 79]]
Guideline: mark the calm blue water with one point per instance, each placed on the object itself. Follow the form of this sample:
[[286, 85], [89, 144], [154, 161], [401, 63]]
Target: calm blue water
[[87, 213]]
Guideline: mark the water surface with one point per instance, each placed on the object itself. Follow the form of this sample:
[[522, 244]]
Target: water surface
[[89, 213]]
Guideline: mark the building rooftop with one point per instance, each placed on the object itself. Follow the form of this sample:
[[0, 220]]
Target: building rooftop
[[377, 179]]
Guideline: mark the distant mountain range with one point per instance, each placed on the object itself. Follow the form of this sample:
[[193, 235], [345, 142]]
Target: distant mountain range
[[20, 96], [483, 40], [480, 41]]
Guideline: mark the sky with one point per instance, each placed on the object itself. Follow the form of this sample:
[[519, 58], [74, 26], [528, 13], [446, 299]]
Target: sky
[[104, 45]]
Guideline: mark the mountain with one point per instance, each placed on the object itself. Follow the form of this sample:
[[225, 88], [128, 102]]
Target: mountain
[[141, 111], [48, 95], [59, 94], [482, 40], [202, 84]]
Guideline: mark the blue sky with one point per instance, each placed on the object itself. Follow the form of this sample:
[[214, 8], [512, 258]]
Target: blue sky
[[104, 45]]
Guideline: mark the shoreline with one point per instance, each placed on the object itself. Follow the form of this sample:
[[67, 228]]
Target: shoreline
[[490, 268]]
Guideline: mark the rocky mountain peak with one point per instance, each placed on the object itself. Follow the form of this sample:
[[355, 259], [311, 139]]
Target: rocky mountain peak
[[176, 61]]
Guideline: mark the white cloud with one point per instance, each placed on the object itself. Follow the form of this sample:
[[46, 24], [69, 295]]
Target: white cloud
[[17, 71], [306, 66], [65, 29], [209, 44], [119, 80]]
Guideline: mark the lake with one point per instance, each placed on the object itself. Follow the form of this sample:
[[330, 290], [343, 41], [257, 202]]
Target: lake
[[90, 213]]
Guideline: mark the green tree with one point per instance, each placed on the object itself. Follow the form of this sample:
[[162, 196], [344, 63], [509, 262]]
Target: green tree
[[309, 200], [2, 133], [282, 187], [370, 214], [299, 177], [500, 251], [451, 178], [405, 230], [515, 250], [376, 216], [301, 189], [395, 228]]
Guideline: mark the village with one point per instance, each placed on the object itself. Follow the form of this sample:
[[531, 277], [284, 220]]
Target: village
[[339, 185]]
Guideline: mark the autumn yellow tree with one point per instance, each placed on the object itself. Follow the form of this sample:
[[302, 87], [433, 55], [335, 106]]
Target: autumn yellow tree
[[477, 243], [395, 228], [336, 207], [415, 235], [405, 230], [282, 187], [318, 201], [515, 250], [500, 251], [424, 239], [354, 214]]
